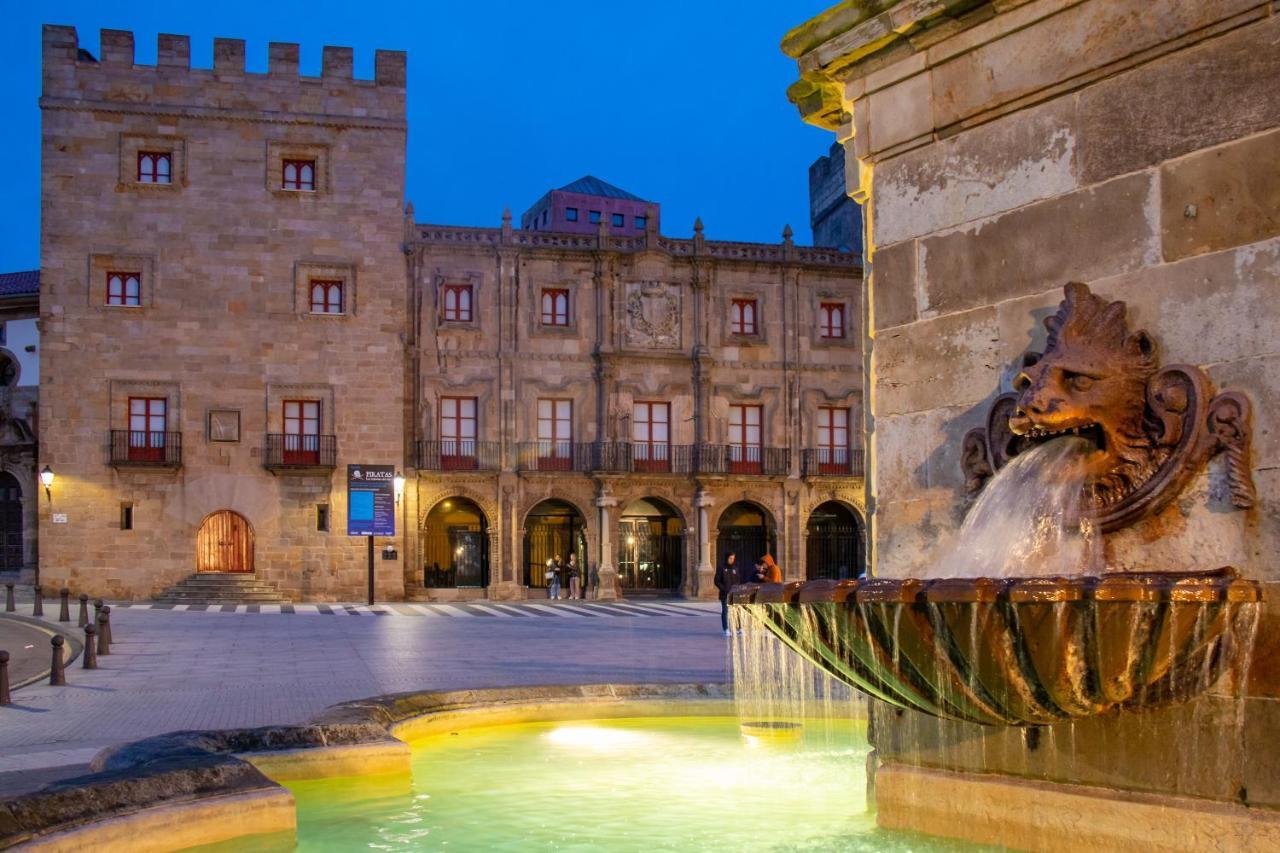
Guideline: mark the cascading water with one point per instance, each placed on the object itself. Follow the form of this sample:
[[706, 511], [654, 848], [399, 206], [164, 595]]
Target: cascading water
[[1027, 522]]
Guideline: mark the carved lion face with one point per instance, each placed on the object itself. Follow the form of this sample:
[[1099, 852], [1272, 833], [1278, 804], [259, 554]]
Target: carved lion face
[[1091, 381]]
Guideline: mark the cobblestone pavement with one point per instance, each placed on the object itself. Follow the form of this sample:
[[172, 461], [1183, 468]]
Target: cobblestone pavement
[[178, 669]]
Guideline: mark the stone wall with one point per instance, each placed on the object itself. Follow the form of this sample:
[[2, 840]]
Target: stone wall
[[1004, 149], [224, 321]]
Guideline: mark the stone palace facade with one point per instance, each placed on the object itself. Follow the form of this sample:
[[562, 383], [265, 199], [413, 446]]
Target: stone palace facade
[[235, 304]]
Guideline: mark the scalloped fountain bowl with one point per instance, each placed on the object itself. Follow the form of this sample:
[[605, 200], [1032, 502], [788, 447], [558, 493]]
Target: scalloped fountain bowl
[[1017, 651]]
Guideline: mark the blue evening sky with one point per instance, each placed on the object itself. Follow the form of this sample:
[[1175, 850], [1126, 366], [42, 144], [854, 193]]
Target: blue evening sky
[[679, 101]]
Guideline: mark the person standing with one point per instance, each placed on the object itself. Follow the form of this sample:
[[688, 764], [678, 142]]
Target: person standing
[[571, 570], [553, 578], [726, 579], [772, 573]]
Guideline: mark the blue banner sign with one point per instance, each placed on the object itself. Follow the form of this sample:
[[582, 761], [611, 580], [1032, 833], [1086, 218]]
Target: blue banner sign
[[371, 500]]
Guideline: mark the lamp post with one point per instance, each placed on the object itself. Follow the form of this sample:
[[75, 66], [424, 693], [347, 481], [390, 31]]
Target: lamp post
[[46, 477]]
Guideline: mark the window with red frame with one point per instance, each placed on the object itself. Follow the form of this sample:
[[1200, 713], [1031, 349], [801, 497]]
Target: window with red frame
[[148, 422], [744, 438], [155, 167], [651, 436], [326, 297], [555, 434], [299, 175], [744, 317], [301, 432], [457, 303], [124, 288], [555, 306], [833, 440], [457, 433], [831, 319]]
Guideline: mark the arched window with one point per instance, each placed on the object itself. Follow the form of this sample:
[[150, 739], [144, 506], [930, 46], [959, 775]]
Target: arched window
[[124, 288], [555, 306], [154, 167], [299, 175], [457, 303], [326, 297]]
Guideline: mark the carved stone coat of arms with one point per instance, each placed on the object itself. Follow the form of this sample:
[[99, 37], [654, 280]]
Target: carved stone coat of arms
[[653, 315]]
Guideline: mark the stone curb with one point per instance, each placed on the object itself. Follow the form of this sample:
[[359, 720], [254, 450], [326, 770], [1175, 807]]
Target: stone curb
[[189, 766], [74, 645]]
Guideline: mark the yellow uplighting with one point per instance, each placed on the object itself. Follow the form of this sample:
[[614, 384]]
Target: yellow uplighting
[[596, 738]]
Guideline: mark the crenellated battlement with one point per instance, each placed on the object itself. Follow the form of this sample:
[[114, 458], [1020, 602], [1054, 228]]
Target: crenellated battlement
[[114, 79]]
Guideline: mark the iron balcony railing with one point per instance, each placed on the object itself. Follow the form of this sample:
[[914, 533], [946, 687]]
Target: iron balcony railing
[[832, 462], [459, 455], [555, 456], [146, 449], [292, 451], [742, 459], [624, 457]]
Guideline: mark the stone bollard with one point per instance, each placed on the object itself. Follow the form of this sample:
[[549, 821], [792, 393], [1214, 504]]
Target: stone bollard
[[8, 598], [5, 698], [37, 609], [57, 670], [106, 611], [103, 647], [64, 612], [84, 610], [90, 647]]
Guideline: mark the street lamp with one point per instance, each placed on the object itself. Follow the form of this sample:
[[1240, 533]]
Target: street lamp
[[398, 482], [46, 477]]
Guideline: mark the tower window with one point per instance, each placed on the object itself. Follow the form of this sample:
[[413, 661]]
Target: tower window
[[571, 214], [619, 221], [155, 167], [299, 175]]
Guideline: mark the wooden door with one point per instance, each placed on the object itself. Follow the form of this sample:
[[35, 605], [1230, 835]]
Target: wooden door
[[224, 543]]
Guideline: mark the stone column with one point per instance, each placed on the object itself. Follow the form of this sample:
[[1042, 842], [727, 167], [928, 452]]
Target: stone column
[[606, 573], [705, 585]]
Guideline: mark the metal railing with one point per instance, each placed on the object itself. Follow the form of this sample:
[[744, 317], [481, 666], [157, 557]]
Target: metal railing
[[832, 462], [289, 450], [554, 456], [459, 455], [146, 449], [740, 459]]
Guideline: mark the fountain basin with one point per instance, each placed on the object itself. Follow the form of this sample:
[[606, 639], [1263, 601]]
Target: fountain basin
[[1016, 651]]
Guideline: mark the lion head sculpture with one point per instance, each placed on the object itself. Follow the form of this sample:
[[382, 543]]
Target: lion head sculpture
[[1153, 427]]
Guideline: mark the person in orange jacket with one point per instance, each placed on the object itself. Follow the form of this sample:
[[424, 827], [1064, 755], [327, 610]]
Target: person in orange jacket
[[772, 574]]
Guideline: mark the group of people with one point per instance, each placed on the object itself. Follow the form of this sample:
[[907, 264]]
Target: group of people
[[570, 573], [729, 575]]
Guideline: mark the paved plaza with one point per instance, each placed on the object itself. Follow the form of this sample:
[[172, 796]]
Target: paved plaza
[[182, 667]]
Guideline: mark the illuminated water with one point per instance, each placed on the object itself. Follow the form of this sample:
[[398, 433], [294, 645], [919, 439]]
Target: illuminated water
[[651, 784], [1025, 523]]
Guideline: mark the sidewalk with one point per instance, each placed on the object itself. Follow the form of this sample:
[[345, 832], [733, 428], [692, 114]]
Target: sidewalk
[[173, 669]]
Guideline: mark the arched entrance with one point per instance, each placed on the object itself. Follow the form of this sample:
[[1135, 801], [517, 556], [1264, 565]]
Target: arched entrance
[[10, 523], [553, 528], [224, 543], [747, 531], [455, 545], [833, 545], [650, 547]]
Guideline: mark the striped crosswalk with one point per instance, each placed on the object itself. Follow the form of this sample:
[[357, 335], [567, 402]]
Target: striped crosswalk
[[458, 610]]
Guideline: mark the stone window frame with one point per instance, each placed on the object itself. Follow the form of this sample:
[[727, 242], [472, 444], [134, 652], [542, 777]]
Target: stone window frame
[[482, 389], [812, 399], [278, 393], [819, 297], [133, 144], [99, 265], [537, 329], [731, 338], [120, 390], [442, 280], [304, 271], [279, 150], [767, 397]]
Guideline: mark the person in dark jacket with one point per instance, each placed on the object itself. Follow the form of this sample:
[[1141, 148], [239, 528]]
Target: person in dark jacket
[[571, 570], [726, 579]]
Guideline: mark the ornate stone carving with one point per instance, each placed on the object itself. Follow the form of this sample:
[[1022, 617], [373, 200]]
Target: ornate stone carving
[[653, 315], [1154, 427]]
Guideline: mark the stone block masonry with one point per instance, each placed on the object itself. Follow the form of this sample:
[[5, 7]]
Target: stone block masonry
[[221, 334]]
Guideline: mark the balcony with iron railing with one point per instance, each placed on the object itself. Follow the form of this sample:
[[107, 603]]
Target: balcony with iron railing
[[300, 453], [143, 449], [832, 462], [459, 455], [555, 456]]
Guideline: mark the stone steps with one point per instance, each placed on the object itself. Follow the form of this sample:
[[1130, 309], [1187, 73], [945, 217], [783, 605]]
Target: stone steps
[[207, 588]]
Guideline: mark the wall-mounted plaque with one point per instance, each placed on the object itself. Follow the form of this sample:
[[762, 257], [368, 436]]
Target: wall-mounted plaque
[[224, 425]]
